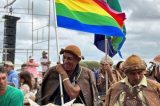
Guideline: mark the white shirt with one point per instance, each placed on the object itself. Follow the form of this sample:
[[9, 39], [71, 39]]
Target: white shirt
[[44, 67]]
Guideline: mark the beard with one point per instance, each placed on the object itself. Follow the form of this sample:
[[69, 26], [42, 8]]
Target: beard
[[2, 87], [135, 82]]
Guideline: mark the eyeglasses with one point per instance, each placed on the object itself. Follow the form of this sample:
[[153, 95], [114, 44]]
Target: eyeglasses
[[5, 65]]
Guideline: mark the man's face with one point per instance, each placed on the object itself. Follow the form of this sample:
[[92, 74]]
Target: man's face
[[105, 66], [135, 77], [3, 81], [69, 61], [24, 68], [7, 68], [120, 68], [31, 60], [44, 55]]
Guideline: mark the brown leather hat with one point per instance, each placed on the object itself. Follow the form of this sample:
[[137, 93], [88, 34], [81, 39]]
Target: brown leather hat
[[157, 59], [133, 63], [73, 50]]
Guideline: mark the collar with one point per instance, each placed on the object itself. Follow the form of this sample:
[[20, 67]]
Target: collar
[[142, 83], [10, 72]]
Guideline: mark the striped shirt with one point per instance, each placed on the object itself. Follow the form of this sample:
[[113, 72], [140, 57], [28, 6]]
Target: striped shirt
[[11, 97]]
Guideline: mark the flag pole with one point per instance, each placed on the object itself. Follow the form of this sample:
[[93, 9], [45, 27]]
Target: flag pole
[[57, 46], [106, 54]]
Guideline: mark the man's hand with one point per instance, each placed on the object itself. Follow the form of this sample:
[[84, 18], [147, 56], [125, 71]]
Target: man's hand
[[59, 68], [61, 71]]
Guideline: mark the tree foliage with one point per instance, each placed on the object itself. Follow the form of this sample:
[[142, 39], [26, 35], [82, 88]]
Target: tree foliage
[[90, 64]]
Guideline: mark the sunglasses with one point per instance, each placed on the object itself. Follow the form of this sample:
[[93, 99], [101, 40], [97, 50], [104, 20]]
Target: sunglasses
[[5, 65]]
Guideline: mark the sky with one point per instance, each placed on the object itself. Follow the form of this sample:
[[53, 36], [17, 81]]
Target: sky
[[142, 38]]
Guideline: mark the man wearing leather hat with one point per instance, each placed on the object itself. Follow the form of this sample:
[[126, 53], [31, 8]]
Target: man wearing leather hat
[[135, 89], [104, 77], [45, 63], [154, 69], [78, 82]]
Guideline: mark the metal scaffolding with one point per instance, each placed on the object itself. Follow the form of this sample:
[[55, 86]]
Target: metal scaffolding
[[39, 34]]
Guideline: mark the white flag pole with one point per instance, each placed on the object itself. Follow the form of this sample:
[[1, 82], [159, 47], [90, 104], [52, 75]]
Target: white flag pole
[[57, 46], [106, 54]]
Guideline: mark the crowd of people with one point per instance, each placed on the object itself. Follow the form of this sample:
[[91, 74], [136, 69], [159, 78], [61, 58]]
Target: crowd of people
[[128, 83]]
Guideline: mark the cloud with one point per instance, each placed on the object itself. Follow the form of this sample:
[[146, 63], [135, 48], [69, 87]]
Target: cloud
[[142, 25]]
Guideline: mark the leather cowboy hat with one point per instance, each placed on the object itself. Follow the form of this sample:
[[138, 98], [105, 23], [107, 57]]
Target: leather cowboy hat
[[133, 63], [73, 50]]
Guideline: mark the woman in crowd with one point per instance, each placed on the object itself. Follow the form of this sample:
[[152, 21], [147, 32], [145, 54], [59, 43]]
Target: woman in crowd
[[25, 82], [31, 66]]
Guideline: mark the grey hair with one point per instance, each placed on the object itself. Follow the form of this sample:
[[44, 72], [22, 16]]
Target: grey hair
[[107, 59]]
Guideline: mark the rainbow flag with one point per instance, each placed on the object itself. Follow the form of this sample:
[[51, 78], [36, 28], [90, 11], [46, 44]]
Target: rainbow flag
[[89, 16]]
